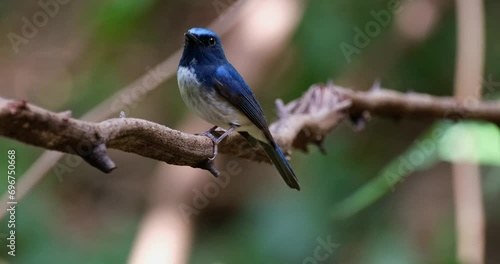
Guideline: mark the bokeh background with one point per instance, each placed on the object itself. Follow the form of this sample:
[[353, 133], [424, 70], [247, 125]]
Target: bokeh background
[[89, 50]]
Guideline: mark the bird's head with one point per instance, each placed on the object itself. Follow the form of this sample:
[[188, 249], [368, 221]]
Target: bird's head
[[202, 46]]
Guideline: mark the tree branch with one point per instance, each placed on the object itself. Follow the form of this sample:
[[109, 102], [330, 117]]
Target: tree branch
[[301, 122], [387, 103]]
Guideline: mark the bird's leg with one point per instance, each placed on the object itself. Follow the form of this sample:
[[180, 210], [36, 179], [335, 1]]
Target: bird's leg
[[215, 140], [209, 133]]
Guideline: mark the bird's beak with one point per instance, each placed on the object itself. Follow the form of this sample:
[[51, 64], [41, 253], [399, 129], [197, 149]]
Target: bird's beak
[[192, 37]]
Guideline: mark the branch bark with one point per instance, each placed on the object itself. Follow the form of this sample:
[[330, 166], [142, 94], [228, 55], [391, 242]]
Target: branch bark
[[301, 122]]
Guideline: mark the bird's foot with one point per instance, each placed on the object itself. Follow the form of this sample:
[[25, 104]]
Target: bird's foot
[[215, 140]]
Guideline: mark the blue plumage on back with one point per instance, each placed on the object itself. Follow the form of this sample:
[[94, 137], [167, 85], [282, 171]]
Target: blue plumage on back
[[213, 88]]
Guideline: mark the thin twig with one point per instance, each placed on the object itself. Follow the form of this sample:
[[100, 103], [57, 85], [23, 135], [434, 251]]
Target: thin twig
[[469, 211]]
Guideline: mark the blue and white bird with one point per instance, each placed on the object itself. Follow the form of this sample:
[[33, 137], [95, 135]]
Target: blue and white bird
[[212, 88]]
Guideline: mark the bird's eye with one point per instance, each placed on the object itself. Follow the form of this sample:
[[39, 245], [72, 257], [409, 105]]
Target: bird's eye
[[212, 41]]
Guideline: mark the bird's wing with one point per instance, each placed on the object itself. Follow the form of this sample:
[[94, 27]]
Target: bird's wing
[[230, 85]]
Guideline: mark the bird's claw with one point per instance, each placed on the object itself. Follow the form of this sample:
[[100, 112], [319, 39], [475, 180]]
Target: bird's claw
[[215, 153], [209, 135], [215, 140]]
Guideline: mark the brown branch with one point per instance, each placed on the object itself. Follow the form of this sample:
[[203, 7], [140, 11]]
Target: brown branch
[[36, 126], [387, 103], [301, 122]]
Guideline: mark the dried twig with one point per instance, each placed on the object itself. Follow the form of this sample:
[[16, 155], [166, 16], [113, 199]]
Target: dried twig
[[36, 126], [469, 208], [303, 121]]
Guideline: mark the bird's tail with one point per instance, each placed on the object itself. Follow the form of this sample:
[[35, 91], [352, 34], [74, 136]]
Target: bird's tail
[[279, 160]]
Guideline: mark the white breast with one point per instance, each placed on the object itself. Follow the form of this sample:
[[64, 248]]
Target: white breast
[[206, 103], [187, 79]]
